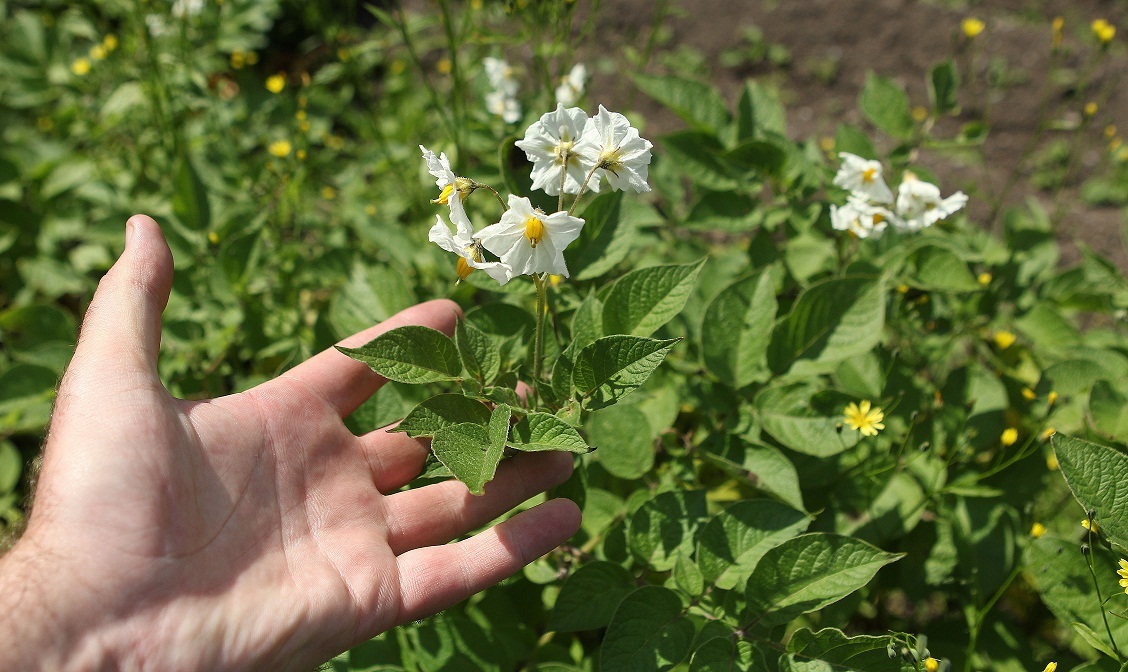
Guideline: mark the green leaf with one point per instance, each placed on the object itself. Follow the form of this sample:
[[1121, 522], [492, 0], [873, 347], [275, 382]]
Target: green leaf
[[1093, 639], [442, 411], [614, 366], [700, 157], [665, 526], [734, 540], [190, 196], [886, 106], [589, 597], [27, 393], [648, 633], [698, 104], [855, 141], [480, 354], [643, 300], [544, 431], [765, 467], [943, 87], [1109, 410], [372, 294], [411, 354], [934, 268], [760, 112], [809, 572], [1060, 573], [623, 439], [737, 328], [1098, 477], [605, 239], [715, 655], [11, 464], [688, 577], [467, 451], [66, 176], [831, 321], [811, 651], [760, 157], [787, 413]]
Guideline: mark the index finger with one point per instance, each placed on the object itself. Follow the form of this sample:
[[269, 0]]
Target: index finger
[[344, 382]]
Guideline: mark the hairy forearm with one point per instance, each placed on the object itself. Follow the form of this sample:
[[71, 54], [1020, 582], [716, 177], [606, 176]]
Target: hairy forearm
[[41, 624]]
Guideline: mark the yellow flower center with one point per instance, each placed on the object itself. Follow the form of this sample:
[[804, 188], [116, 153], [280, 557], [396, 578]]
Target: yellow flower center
[[878, 218], [610, 160], [867, 175], [463, 269], [562, 154], [444, 195], [534, 230]]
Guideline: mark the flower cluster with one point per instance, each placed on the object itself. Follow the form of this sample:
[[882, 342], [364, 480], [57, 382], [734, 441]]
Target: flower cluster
[[502, 101], [571, 154], [571, 86], [871, 206]]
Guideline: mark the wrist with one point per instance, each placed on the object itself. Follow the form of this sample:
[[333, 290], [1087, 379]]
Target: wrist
[[42, 620]]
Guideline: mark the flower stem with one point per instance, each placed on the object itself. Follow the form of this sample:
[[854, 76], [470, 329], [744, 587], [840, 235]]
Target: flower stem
[[583, 187], [541, 281], [1100, 600], [479, 185]]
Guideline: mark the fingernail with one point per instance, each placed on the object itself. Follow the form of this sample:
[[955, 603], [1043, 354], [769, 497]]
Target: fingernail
[[128, 232]]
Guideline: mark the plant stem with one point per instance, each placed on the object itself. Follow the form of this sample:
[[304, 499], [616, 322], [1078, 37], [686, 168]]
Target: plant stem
[[1100, 599], [541, 281], [583, 187]]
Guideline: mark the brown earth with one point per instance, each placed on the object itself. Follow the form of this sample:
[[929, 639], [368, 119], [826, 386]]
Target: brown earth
[[902, 39]]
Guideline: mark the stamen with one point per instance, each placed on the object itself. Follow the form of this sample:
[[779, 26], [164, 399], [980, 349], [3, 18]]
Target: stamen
[[867, 175], [463, 269], [444, 196], [534, 230]]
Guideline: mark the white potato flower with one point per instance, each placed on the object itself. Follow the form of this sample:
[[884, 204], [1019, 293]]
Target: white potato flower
[[919, 204], [182, 8], [550, 145], [571, 86], [503, 105], [500, 75], [529, 241], [861, 218], [462, 243], [446, 180], [862, 176], [615, 148]]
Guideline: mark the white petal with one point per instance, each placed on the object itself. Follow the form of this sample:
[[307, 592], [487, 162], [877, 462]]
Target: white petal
[[440, 235]]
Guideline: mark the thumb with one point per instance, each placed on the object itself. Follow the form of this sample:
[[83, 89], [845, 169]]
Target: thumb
[[121, 332]]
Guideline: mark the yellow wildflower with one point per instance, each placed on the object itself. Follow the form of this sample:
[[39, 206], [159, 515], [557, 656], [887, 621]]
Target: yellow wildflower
[[1051, 461], [826, 143], [81, 66], [1114, 144], [444, 66], [213, 237], [475, 4], [275, 83], [1057, 28], [1091, 525], [280, 148], [370, 210], [300, 115], [920, 113], [1037, 530], [1090, 108], [1110, 131], [1050, 667], [97, 52], [1123, 572], [301, 154], [860, 418], [328, 193], [931, 664], [238, 60], [972, 27], [1009, 436], [1028, 394], [985, 279], [1052, 397], [1004, 339], [397, 66], [252, 58], [1047, 433], [110, 42], [334, 142], [556, 280], [1104, 31]]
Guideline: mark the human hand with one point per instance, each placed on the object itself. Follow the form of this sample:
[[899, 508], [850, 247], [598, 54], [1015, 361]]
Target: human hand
[[253, 531]]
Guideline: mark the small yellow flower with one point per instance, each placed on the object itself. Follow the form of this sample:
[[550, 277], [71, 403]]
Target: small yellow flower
[[1123, 572], [985, 279], [370, 210], [920, 113], [252, 58], [475, 4], [1122, 155], [1050, 667], [80, 67], [213, 237], [97, 52], [303, 125], [1009, 437], [1028, 394], [1114, 144], [1037, 530], [931, 664], [328, 193], [275, 83], [972, 27], [280, 148], [1051, 462], [300, 115], [902, 289], [826, 143], [1057, 32], [1110, 131], [110, 42], [1004, 339], [1090, 108], [1046, 434], [301, 154], [302, 101], [1091, 525], [556, 280], [334, 142], [397, 66], [1104, 31], [444, 66], [238, 59], [860, 418], [1052, 397]]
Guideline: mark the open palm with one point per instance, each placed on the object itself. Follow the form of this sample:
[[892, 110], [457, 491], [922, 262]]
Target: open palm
[[255, 530]]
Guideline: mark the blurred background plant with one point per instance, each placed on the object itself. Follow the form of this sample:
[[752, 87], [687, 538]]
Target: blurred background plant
[[276, 142]]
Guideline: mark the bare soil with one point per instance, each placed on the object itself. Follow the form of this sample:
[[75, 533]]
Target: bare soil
[[834, 43]]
